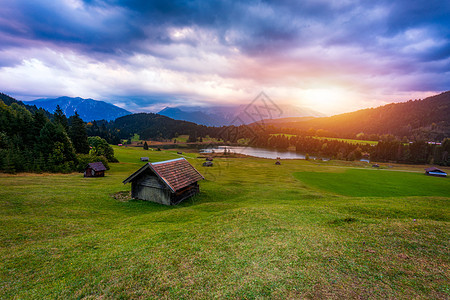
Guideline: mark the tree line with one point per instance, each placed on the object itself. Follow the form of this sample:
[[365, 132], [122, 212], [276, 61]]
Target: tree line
[[392, 150]]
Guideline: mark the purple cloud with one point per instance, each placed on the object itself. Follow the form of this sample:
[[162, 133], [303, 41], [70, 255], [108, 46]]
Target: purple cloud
[[210, 50]]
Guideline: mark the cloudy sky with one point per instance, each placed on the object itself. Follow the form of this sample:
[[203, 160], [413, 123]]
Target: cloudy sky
[[329, 55]]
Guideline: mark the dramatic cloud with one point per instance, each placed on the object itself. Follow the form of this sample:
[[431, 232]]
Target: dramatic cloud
[[330, 55]]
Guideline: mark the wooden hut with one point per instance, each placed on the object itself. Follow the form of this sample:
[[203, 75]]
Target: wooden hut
[[166, 182], [96, 169], [433, 171]]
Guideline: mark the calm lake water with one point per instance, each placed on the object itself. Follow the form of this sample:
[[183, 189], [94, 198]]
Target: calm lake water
[[257, 152]]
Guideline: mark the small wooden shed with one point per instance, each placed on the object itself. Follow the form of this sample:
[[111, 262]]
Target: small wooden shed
[[96, 169], [433, 171], [166, 182]]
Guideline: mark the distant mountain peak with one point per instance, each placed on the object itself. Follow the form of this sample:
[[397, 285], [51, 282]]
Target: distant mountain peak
[[88, 109], [222, 116], [170, 109]]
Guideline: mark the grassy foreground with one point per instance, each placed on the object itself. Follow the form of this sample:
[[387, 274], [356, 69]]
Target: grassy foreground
[[257, 230]]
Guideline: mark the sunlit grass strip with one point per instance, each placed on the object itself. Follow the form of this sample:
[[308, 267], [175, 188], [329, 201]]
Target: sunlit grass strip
[[376, 183]]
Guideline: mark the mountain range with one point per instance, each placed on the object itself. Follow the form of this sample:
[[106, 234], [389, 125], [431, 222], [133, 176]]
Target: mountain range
[[227, 115], [88, 109]]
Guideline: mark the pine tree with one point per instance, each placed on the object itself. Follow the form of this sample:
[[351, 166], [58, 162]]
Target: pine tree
[[61, 118], [145, 145], [52, 135], [39, 120], [78, 134], [192, 138], [9, 163]]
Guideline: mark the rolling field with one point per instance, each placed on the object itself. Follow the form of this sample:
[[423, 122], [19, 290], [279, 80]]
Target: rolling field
[[256, 230]]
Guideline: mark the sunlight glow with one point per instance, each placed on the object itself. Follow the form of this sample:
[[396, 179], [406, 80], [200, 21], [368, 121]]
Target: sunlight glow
[[326, 99]]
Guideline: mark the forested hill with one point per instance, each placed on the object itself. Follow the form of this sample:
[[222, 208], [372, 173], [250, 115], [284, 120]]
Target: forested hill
[[154, 126], [8, 100], [420, 119]]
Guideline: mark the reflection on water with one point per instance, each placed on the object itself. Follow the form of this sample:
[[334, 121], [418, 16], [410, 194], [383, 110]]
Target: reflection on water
[[264, 153], [257, 152]]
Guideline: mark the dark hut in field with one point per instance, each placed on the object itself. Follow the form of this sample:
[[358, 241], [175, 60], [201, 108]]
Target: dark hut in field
[[144, 158], [166, 182], [433, 171], [96, 169]]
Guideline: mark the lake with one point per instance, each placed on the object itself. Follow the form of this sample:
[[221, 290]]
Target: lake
[[257, 152]]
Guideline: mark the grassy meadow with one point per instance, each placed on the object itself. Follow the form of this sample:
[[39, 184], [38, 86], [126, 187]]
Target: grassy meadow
[[303, 229]]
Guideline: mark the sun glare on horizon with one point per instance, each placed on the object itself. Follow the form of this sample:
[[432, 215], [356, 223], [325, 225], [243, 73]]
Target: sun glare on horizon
[[328, 100]]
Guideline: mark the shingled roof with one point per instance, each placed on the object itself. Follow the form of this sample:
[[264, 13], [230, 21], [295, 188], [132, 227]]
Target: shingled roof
[[97, 166], [434, 169], [176, 173]]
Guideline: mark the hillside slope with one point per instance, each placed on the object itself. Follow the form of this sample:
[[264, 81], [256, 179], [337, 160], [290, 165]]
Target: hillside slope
[[8, 100], [154, 126], [425, 119]]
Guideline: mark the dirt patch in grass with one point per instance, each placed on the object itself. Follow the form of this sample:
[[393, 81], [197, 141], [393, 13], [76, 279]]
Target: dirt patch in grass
[[123, 196]]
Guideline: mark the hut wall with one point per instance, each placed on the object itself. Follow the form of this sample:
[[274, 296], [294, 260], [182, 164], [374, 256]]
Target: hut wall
[[151, 189], [88, 172]]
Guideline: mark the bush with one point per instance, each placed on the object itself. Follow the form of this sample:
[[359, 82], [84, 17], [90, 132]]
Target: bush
[[101, 148]]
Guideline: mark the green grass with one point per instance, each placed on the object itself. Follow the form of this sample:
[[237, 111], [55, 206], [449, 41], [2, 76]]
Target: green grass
[[376, 183], [181, 138], [256, 230], [351, 141], [184, 138]]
